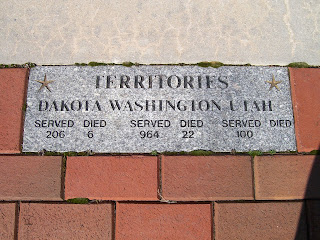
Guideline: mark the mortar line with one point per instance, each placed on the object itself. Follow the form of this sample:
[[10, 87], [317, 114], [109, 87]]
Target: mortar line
[[114, 216], [159, 172], [63, 176], [24, 108], [305, 202], [295, 111], [253, 178], [213, 226], [17, 218]]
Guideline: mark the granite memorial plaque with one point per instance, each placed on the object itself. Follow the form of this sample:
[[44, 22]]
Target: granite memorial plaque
[[140, 109]]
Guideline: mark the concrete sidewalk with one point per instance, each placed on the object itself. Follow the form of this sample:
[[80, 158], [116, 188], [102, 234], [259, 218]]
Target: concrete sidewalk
[[234, 32]]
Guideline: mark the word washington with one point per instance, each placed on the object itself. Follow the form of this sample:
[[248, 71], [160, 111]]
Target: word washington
[[155, 105]]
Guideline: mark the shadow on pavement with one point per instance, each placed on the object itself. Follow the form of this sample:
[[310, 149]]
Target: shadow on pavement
[[309, 223]]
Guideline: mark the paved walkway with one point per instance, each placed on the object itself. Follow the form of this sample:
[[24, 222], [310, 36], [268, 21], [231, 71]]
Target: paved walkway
[[260, 32], [230, 196]]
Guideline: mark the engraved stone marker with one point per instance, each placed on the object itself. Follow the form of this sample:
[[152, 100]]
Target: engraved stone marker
[[164, 108]]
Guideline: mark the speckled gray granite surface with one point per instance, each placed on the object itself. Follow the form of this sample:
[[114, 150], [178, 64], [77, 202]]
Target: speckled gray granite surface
[[164, 108]]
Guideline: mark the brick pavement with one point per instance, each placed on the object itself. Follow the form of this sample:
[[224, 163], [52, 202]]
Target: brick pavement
[[223, 196]]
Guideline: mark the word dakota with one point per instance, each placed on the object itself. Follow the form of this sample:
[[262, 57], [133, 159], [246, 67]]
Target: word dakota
[[142, 109]]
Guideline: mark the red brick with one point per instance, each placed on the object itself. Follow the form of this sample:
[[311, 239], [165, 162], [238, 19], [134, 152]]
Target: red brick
[[65, 221], [313, 208], [112, 178], [305, 85], [7, 220], [163, 221], [273, 220], [12, 93], [287, 177], [30, 178], [206, 178]]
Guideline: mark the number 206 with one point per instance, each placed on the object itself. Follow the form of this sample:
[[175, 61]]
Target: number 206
[[55, 134]]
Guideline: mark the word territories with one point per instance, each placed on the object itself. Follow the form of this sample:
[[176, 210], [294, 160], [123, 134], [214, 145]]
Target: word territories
[[140, 109]]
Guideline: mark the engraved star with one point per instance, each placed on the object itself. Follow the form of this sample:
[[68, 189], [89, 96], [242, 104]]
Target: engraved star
[[274, 83], [45, 83]]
